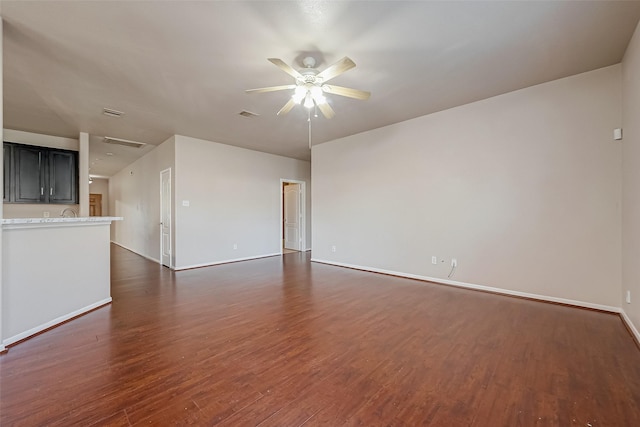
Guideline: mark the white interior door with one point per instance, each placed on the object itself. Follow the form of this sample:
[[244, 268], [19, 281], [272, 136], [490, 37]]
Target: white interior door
[[292, 218], [165, 217]]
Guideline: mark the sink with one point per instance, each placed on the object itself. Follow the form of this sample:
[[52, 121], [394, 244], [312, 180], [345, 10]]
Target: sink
[[69, 213]]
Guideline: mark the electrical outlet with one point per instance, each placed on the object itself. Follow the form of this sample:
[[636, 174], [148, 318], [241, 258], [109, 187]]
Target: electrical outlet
[[454, 262], [434, 260], [235, 246], [333, 248], [46, 214], [628, 297]]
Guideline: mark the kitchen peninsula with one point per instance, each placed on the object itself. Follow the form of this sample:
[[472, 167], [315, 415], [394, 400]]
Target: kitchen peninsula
[[53, 269]]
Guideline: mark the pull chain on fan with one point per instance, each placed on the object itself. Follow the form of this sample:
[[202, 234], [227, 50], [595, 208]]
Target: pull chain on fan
[[309, 121]]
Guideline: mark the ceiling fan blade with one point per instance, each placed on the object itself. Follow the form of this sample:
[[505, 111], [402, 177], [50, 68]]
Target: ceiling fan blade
[[326, 110], [287, 107], [284, 67], [270, 89], [336, 69], [346, 91]]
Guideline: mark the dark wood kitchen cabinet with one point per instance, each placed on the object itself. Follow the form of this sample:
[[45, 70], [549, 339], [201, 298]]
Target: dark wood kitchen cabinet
[[6, 149], [41, 175], [28, 174], [63, 173]]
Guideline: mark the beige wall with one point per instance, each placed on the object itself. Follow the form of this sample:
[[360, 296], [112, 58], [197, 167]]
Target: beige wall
[[233, 195], [38, 210], [234, 198], [523, 189], [631, 180], [40, 140], [134, 194]]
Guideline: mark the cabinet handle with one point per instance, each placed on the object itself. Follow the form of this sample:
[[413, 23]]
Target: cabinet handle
[[41, 191], [51, 191]]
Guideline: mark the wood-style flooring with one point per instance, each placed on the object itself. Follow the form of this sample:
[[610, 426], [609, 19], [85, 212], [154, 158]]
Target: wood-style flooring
[[282, 341]]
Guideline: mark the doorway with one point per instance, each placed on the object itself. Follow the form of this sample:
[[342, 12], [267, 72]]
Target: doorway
[[95, 204], [292, 209], [165, 217]]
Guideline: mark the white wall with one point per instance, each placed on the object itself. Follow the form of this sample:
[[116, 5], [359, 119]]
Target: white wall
[[101, 186], [25, 210], [524, 189], [67, 281], [134, 194], [234, 198], [83, 175], [2, 348], [631, 181]]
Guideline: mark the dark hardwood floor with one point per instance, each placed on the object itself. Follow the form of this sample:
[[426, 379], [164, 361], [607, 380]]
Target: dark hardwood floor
[[284, 342]]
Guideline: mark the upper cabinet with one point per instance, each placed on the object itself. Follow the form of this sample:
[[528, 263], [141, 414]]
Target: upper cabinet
[[40, 175], [63, 177], [6, 149], [29, 172]]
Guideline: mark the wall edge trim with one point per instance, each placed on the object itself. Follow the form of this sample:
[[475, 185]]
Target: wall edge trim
[[545, 298], [210, 264], [55, 322], [629, 324], [136, 252]]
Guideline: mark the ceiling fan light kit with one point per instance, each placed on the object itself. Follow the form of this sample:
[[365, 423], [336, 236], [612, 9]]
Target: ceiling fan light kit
[[308, 102], [310, 85], [299, 94]]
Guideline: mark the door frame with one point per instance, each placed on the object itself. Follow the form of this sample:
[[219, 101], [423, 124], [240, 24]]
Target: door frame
[[97, 196], [168, 170], [302, 224]]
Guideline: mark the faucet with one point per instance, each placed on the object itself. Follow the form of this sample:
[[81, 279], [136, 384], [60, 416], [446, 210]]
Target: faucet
[[68, 213]]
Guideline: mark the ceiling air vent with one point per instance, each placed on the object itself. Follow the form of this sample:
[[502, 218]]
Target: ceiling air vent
[[111, 112], [249, 114], [125, 142]]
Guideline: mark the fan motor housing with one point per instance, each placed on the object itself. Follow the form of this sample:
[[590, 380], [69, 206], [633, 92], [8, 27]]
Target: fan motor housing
[[309, 75]]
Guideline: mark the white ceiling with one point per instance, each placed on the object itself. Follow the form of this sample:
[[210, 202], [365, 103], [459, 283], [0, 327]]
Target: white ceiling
[[181, 67]]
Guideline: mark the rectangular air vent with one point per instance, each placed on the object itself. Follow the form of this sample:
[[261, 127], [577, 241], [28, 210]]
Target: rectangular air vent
[[249, 114], [111, 112], [125, 142]]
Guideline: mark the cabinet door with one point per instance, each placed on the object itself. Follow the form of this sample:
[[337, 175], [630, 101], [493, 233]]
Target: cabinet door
[[63, 177], [6, 150], [28, 174]]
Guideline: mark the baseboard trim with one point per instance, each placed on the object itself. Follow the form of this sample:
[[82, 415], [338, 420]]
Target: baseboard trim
[[228, 261], [473, 286], [157, 261], [632, 328], [55, 322]]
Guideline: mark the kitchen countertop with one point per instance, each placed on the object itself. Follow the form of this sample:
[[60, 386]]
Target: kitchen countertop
[[60, 220]]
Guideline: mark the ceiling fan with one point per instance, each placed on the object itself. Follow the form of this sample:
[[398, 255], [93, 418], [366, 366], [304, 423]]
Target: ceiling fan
[[310, 85]]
